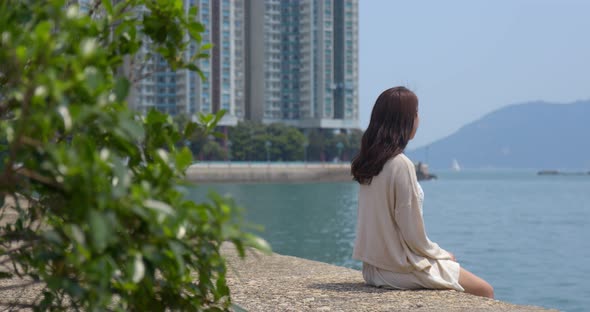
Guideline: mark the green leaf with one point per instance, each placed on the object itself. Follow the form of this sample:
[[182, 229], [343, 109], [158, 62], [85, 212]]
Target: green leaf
[[222, 288], [201, 75], [178, 250], [121, 88], [120, 6], [206, 46], [158, 206], [108, 6], [22, 53], [193, 67], [193, 11], [178, 4], [94, 78], [204, 118], [155, 116], [220, 114], [190, 129], [99, 229], [196, 26], [258, 243], [195, 29], [42, 30], [133, 129], [184, 158]]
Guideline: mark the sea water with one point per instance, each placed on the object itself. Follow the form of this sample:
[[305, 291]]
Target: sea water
[[527, 235]]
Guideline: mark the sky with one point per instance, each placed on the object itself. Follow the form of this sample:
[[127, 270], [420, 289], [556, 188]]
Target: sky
[[467, 58]]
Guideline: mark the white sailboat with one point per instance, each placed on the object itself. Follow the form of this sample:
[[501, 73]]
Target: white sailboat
[[455, 165]]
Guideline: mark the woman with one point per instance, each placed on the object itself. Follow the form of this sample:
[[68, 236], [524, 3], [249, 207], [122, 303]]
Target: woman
[[391, 240]]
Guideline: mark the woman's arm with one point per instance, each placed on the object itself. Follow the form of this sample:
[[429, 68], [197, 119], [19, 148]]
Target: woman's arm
[[408, 216]]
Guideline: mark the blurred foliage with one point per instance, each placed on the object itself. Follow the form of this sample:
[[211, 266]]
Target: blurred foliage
[[105, 224]]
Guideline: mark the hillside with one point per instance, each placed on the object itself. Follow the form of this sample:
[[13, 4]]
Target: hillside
[[534, 135]]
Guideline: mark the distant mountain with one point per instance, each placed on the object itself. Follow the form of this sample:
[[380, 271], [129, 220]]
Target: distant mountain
[[534, 135]]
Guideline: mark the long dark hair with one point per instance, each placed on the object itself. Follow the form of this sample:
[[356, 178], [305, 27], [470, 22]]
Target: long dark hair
[[389, 131]]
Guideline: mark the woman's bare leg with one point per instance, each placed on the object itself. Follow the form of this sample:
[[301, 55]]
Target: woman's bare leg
[[475, 285]]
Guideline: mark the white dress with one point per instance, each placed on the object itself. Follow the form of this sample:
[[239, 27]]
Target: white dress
[[442, 274]]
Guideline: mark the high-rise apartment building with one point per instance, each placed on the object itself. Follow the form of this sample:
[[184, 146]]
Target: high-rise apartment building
[[289, 61], [183, 91], [303, 62]]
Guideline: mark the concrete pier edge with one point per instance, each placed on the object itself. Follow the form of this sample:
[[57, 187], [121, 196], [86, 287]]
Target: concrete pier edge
[[271, 172], [284, 283]]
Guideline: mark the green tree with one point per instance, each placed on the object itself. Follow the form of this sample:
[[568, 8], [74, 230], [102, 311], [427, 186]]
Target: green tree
[[106, 225], [211, 150], [318, 143], [248, 139], [323, 144], [240, 142], [287, 142], [249, 142]]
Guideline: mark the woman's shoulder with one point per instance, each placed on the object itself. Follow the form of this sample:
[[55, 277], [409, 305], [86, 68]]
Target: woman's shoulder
[[400, 161], [400, 165], [402, 169]]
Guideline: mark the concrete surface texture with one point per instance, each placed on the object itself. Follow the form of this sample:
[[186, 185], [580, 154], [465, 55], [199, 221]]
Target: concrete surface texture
[[284, 283]]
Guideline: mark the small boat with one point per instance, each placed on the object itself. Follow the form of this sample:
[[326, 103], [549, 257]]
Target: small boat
[[548, 172], [455, 165], [562, 173]]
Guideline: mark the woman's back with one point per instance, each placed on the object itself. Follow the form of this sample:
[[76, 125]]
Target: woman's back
[[389, 234], [378, 241]]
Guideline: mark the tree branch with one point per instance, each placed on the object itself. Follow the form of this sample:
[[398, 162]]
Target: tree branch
[[142, 77], [16, 249], [94, 7], [38, 177], [31, 142]]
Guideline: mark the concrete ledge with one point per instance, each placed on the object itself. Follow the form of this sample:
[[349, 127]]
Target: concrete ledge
[[283, 283], [274, 172]]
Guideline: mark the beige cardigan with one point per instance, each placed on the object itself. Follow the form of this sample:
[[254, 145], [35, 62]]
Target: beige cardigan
[[390, 230]]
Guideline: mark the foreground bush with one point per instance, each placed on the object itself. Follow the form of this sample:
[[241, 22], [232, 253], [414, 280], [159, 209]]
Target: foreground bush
[[106, 225]]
